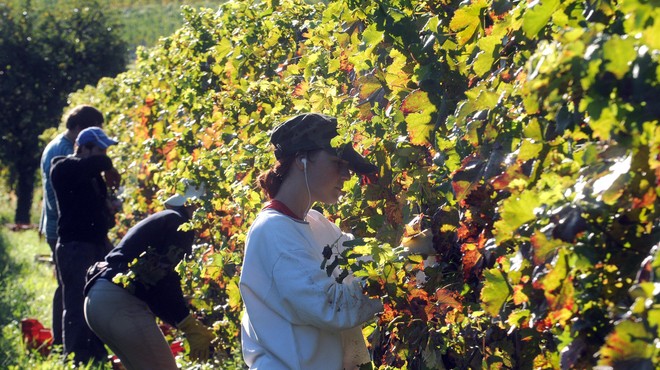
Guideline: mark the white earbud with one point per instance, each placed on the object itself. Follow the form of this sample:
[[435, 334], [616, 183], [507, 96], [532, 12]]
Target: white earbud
[[309, 194]]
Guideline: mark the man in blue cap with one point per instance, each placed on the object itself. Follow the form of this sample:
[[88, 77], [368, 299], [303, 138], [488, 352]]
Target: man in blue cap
[[78, 119], [81, 184]]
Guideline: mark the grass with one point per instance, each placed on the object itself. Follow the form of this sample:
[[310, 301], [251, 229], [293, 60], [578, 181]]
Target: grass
[[27, 283], [26, 289]]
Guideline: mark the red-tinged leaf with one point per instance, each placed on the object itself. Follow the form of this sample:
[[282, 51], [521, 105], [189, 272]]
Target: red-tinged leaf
[[646, 200], [167, 148], [466, 178], [446, 297], [416, 102], [557, 274], [495, 293], [301, 89], [503, 180], [519, 297], [471, 260], [461, 189], [418, 301], [630, 343], [543, 247], [344, 63], [369, 179], [562, 304], [388, 314], [542, 325], [481, 241], [366, 112], [368, 85], [464, 232], [420, 128], [418, 109]]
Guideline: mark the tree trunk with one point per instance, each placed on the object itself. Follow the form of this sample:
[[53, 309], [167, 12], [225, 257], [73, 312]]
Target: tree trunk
[[24, 195]]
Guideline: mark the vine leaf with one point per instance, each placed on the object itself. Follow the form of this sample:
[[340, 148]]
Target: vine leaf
[[467, 21], [538, 16], [418, 109], [496, 291], [515, 212], [630, 343], [619, 53], [543, 247]]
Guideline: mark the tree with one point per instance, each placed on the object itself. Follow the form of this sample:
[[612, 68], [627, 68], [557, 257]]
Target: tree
[[44, 56]]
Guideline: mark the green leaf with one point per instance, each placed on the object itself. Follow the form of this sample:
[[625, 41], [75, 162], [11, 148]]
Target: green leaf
[[619, 52], [529, 149], [485, 59], [518, 318], [558, 271], [516, 211], [234, 295], [467, 21], [604, 123], [533, 130], [537, 16], [495, 293]]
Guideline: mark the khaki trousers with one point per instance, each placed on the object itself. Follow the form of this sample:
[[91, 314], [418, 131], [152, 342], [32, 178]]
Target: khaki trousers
[[126, 325]]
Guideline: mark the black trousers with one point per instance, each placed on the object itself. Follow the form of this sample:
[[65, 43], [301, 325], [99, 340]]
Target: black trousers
[[73, 259], [58, 306]]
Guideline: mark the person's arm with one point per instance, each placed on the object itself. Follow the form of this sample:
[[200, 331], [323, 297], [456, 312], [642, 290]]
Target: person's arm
[[112, 178], [95, 165], [166, 300], [164, 291], [316, 298], [49, 212]]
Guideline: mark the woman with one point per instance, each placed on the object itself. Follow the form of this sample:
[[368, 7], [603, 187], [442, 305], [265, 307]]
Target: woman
[[296, 316], [138, 283]]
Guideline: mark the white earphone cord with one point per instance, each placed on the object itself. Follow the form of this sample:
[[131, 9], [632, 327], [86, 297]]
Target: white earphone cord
[[309, 193]]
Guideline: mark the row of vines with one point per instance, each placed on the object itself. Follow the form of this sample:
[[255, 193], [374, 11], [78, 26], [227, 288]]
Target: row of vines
[[523, 135]]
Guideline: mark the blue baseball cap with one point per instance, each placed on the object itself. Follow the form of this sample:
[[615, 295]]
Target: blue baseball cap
[[96, 136]]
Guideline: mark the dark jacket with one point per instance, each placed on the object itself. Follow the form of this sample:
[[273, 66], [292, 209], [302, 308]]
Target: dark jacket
[[153, 248], [82, 198]]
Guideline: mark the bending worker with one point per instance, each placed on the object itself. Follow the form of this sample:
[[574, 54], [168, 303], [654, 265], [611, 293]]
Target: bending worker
[[138, 283]]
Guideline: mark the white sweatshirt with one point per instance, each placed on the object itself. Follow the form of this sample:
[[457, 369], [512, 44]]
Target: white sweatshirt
[[296, 317]]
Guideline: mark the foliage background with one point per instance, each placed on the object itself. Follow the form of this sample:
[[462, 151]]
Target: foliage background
[[50, 48], [43, 57], [525, 134]]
